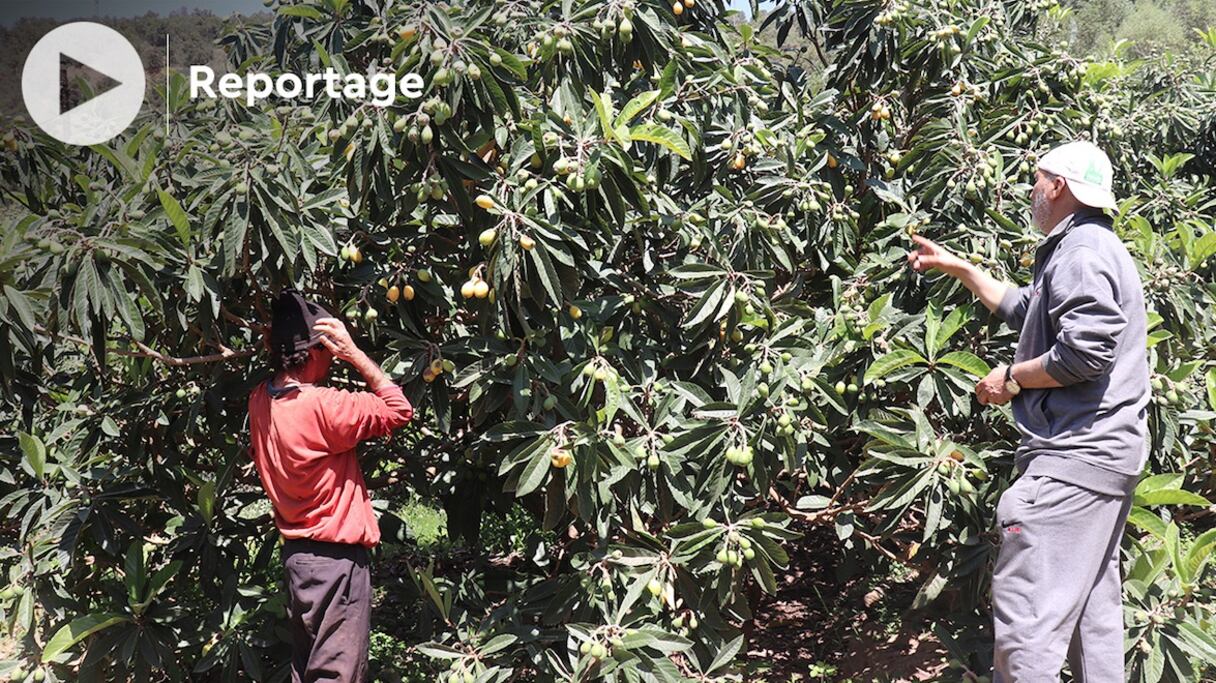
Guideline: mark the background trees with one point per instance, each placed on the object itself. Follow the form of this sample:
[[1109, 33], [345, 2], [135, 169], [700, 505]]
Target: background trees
[[1151, 25], [644, 281]]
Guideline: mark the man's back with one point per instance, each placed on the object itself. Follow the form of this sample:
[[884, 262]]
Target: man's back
[[303, 444]]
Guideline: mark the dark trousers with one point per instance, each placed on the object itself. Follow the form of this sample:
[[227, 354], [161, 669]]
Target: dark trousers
[[329, 608]]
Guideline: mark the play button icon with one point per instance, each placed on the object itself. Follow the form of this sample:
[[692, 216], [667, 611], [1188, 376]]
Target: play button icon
[[101, 56], [100, 83]]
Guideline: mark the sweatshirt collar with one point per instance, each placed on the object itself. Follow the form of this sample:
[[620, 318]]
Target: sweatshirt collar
[[1066, 224], [276, 392], [1048, 244]]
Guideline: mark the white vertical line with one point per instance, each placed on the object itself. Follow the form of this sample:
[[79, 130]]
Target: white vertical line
[[166, 87]]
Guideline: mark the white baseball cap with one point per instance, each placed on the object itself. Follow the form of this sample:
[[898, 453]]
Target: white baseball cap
[[1086, 169]]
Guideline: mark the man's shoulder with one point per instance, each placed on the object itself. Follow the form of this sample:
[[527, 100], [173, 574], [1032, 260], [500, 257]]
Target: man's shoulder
[[1094, 237], [328, 396], [1090, 227], [322, 392]]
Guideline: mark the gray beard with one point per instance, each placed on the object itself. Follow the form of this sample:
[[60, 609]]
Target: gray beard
[[1039, 210]]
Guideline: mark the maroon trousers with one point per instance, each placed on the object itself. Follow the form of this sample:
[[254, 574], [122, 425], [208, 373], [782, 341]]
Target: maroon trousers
[[329, 608]]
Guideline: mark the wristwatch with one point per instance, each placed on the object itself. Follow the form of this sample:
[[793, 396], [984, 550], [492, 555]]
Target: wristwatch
[[1011, 384]]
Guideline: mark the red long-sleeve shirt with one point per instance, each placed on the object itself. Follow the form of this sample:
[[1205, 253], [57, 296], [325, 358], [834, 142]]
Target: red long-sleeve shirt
[[303, 445]]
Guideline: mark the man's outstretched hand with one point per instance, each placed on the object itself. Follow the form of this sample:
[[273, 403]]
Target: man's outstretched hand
[[336, 338], [930, 255]]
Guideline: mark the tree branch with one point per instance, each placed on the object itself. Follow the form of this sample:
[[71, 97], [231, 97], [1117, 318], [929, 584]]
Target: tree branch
[[817, 517], [225, 353], [877, 545], [241, 322]]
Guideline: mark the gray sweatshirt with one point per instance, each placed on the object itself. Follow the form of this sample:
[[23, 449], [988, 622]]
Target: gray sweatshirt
[[1084, 309]]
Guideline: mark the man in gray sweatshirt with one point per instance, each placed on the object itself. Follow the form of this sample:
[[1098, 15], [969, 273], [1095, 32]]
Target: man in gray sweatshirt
[[1080, 390]]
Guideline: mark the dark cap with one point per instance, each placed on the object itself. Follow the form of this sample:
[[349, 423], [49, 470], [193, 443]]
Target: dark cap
[[293, 318]]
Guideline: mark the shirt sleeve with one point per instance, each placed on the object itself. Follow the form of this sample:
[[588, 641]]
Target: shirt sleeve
[[1085, 312], [350, 417], [1012, 307]]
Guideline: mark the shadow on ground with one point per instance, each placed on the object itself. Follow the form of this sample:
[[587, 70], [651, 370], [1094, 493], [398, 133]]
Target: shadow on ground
[[822, 627]]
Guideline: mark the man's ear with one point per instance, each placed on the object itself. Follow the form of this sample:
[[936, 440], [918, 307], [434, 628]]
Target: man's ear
[[1059, 189]]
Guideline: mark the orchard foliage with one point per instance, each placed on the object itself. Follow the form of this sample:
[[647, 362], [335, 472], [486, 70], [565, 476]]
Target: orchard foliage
[[638, 275]]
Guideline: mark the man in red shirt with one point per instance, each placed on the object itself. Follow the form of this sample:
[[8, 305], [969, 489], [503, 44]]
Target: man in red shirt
[[303, 439]]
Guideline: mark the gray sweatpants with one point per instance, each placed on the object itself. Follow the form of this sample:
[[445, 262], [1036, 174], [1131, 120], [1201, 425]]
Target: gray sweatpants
[[329, 609], [1056, 591]]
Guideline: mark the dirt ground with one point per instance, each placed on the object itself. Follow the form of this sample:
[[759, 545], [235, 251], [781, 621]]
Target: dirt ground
[[818, 628]]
